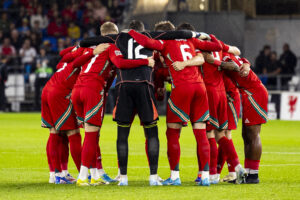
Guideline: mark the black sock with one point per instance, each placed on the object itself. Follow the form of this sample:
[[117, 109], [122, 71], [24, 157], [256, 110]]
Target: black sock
[[122, 147], [151, 133]]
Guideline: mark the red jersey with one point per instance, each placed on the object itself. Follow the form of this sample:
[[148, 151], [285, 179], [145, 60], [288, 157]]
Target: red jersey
[[230, 87], [213, 77], [66, 75], [247, 82], [96, 68], [179, 50]]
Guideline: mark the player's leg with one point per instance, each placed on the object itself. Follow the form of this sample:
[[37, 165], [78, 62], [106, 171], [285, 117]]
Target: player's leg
[[255, 108], [145, 104], [253, 151], [122, 114], [74, 138], [64, 153], [232, 157]]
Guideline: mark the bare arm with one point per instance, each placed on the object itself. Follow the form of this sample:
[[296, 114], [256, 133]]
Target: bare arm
[[195, 61]]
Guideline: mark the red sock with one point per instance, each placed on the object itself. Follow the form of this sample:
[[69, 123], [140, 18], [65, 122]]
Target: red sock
[[230, 167], [146, 149], [54, 144], [98, 156], [173, 148], [64, 152], [252, 164], [51, 168], [221, 160], [213, 156], [228, 148], [88, 154], [203, 149], [75, 148]]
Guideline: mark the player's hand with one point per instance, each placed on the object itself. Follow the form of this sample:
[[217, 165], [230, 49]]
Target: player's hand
[[178, 65], [204, 36], [231, 65], [100, 48], [151, 62], [244, 70], [208, 57]]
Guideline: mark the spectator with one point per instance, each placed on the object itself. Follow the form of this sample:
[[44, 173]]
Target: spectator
[[288, 60], [24, 28], [36, 28], [272, 70], [116, 10], [14, 9], [43, 73], [16, 40], [57, 28], [3, 79], [28, 54], [40, 18], [68, 14], [263, 60], [7, 50], [35, 41], [73, 31], [60, 44], [1, 36], [4, 23], [100, 12]]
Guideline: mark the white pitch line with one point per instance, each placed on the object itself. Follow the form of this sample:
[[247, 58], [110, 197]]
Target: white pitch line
[[146, 167]]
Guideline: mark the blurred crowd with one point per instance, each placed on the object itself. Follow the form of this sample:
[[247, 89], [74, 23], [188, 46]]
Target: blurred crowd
[[269, 65], [32, 32]]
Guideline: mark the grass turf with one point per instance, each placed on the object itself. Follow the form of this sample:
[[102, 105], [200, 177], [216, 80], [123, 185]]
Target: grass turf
[[24, 169]]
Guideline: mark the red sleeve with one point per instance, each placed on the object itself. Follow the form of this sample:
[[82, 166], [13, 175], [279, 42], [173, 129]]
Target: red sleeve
[[118, 60], [110, 81], [228, 56], [146, 41], [245, 60], [78, 62], [69, 57], [224, 46], [66, 50], [212, 45]]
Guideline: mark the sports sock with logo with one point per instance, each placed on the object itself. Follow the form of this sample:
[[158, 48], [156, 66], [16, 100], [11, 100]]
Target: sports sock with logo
[[88, 154], [230, 167], [213, 156], [173, 148], [64, 152], [221, 160], [122, 147], [229, 150], [98, 155], [252, 166], [151, 132], [203, 149], [51, 168], [75, 148], [54, 143]]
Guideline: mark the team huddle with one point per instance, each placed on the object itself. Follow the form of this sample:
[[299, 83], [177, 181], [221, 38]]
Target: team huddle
[[210, 83]]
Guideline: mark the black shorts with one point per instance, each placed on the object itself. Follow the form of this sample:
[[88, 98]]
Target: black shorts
[[135, 98]]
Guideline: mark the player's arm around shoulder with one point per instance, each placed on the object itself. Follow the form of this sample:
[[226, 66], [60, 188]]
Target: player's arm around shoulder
[[195, 61]]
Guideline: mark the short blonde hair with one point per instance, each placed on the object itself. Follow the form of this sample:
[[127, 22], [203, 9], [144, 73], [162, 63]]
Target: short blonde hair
[[164, 26], [109, 28]]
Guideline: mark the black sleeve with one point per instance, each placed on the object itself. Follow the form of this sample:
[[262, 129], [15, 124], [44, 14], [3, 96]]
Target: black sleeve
[[171, 35], [92, 41]]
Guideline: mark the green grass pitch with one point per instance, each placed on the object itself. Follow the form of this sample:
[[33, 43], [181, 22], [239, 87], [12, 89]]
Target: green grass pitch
[[24, 169]]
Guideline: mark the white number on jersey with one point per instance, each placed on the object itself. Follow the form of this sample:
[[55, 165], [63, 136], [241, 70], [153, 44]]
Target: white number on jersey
[[185, 55], [216, 55], [62, 68], [137, 53], [90, 64]]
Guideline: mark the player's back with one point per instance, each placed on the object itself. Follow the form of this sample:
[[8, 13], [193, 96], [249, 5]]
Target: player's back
[[94, 70], [212, 76], [181, 50], [249, 81], [130, 49]]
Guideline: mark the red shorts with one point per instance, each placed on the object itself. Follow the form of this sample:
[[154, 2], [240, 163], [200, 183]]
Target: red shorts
[[188, 103], [88, 105], [255, 105], [57, 110], [217, 109], [233, 109]]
